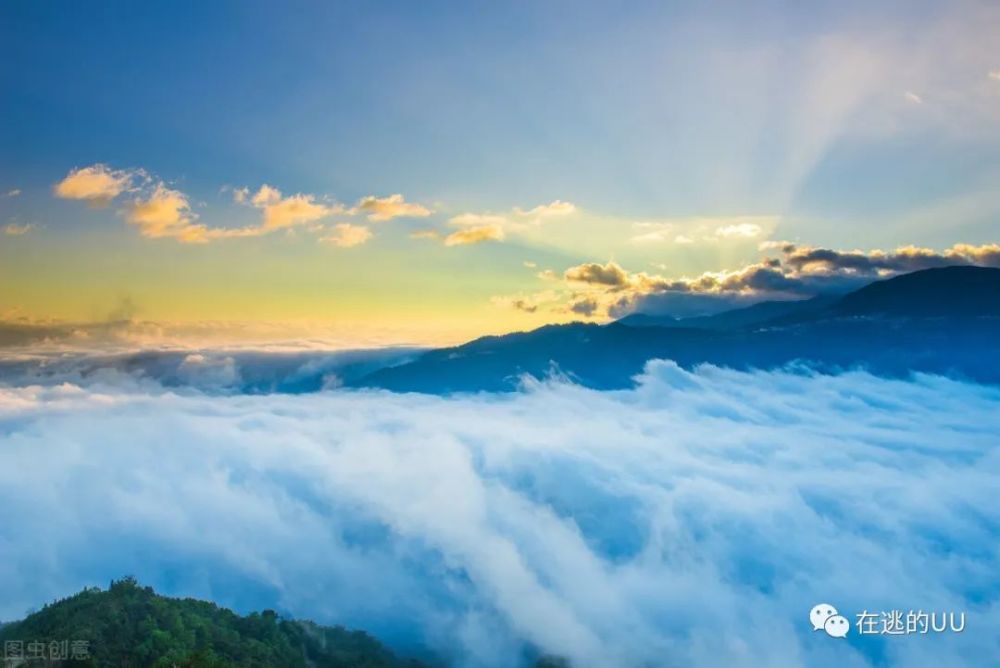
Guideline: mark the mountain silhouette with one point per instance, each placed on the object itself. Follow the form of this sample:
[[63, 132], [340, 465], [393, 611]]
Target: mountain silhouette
[[942, 321]]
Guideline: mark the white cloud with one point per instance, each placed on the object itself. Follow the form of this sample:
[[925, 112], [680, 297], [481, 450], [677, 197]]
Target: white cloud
[[652, 232], [697, 517], [711, 229], [12, 193], [739, 231], [913, 97], [553, 209]]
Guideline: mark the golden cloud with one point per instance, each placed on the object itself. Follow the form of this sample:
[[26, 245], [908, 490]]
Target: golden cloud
[[800, 272], [281, 212], [610, 274], [379, 209], [166, 213], [346, 235], [474, 235], [98, 184]]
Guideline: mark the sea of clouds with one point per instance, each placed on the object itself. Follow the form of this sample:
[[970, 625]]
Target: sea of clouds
[[691, 521]]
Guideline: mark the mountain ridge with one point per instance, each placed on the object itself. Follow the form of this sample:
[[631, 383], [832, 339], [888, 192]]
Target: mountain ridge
[[939, 321]]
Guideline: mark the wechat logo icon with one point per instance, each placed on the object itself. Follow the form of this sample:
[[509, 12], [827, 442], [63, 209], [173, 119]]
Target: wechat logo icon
[[824, 617]]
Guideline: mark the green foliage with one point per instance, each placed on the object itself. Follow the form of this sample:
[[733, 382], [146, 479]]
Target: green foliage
[[131, 626]]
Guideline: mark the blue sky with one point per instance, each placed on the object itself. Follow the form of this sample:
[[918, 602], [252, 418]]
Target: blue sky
[[845, 126]]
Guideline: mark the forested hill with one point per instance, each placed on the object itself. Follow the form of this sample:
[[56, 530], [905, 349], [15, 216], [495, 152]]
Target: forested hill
[[129, 625]]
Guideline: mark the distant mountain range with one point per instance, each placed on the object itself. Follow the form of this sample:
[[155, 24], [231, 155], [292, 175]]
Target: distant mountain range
[[944, 321]]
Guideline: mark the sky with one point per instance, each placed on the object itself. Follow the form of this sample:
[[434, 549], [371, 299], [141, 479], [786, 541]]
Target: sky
[[373, 173]]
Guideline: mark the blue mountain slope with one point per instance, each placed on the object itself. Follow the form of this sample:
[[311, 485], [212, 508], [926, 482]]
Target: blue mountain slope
[[938, 321]]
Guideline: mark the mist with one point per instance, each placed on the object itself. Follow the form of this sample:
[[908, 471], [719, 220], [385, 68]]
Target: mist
[[692, 520]]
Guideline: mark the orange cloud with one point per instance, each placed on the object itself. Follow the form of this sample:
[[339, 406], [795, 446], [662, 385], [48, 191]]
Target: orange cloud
[[474, 235], [166, 213], [97, 184], [281, 212], [346, 235], [379, 209]]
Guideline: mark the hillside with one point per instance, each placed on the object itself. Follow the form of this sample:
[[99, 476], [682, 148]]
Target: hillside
[[943, 292], [129, 625], [940, 321]]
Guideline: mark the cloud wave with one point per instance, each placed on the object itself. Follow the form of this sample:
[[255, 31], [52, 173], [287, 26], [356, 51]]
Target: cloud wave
[[691, 521]]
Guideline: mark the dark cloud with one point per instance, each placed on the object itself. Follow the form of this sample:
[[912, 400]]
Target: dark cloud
[[585, 306], [609, 274], [799, 272]]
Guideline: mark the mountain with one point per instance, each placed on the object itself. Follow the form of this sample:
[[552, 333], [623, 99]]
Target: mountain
[[134, 627], [130, 625], [735, 318], [936, 321], [943, 292]]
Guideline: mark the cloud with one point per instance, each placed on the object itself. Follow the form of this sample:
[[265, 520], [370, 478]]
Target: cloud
[[710, 229], [477, 219], [810, 260], [241, 195], [698, 517], [740, 230], [283, 212], [610, 274], [166, 213], [585, 306], [994, 74], [913, 97], [347, 235], [517, 220], [474, 235], [380, 209], [527, 303], [554, 209], [425, 234], [651, 232], [16, 230], [98, 184], [12, 193], [802, 271]]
